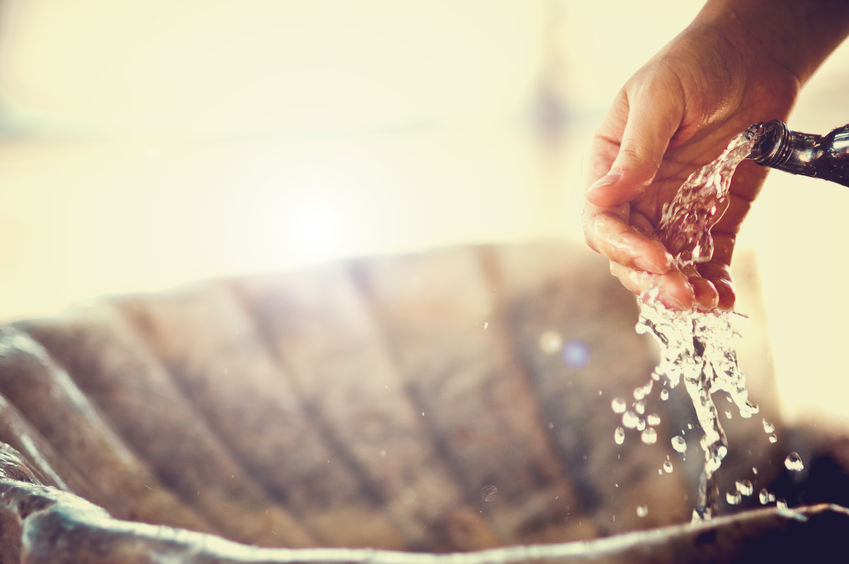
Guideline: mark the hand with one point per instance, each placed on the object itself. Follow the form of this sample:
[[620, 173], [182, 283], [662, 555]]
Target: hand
[[673, 116]]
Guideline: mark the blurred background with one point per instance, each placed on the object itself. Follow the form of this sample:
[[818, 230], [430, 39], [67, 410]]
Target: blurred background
[[148, 144]]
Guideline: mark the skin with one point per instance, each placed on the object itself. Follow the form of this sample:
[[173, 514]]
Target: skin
[[740, 62]]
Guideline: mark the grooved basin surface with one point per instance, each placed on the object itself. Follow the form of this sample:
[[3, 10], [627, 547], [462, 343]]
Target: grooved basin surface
[[451, 405]]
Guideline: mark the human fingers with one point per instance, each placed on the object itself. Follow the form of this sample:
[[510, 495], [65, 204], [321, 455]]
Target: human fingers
[[718, 269], [674, 290], [706, 294], [607, 233], [719, 276], [655, 110]]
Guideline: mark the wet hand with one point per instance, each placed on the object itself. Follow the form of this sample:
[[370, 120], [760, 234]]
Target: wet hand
[[673, 116]]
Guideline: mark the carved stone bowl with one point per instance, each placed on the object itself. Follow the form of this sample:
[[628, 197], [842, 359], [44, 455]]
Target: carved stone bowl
[[398, 409]]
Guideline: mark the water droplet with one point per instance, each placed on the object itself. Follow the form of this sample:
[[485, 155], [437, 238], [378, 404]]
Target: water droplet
[[488, 493], [765, 497], [664, 394], [772, 439], [486, 324], [781, 504], [619, 435], [768, 427], [755, 470], [744, 487], [689, 426], [793, 462], [641, 424], [653, 419], [641, 392], [642, 511], [733, 498], [667, 466], [640, 407], [618, 405], [550, 341], [649, 436], [679, 444], [630, 419], [728, 414]]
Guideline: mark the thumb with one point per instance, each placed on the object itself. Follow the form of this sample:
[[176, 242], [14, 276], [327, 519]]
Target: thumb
[[654, 115]]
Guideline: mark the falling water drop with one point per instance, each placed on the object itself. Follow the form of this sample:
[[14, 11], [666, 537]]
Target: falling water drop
[[649, 436], [769, 428], [619, 435], [667, 466], [733, 498], [664, 394], [630, 419], [679, 444], [641, 392], [772, 439], [653, 419], [642, 511], [793, 462], [744, 487], [618, 405]]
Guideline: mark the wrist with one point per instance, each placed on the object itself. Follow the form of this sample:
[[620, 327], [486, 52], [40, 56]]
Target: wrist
[[796, 35]]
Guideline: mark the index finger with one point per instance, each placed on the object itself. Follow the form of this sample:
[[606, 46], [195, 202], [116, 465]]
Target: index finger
[[606, 232]]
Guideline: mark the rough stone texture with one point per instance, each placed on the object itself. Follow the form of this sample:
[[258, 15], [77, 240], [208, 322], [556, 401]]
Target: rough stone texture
[[412, 402], [54, 527]]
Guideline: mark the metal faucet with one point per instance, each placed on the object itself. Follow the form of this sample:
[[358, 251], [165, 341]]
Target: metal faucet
[[818, 156]]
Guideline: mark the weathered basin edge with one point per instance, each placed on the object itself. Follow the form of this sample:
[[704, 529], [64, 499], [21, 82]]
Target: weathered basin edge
[[45, 525]]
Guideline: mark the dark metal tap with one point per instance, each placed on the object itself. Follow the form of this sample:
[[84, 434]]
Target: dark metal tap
[[819, 156]]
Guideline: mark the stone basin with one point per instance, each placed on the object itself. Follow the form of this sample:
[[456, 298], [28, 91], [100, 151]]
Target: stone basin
[[452, 405]]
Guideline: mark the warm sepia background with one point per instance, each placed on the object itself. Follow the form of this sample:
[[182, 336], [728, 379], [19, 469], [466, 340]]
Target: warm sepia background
[[148, 144]]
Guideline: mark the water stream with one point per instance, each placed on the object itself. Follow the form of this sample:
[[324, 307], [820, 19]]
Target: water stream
[[698, 347]]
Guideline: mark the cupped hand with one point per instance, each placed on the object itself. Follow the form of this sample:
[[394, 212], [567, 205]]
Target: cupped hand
[[674, 115]]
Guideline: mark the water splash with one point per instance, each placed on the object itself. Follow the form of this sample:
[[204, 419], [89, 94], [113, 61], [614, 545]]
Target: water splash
[[686, 220], [698, 347]]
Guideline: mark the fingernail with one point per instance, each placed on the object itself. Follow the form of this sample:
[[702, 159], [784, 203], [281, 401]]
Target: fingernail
[[606, 180], [675, 303]]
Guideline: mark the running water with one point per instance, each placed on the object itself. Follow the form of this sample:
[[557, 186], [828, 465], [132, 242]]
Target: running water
[[698, 347]]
